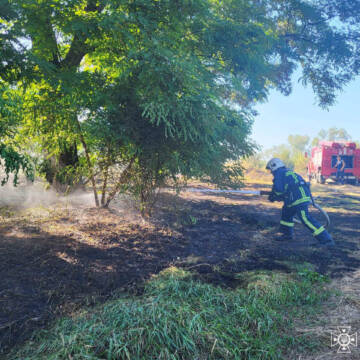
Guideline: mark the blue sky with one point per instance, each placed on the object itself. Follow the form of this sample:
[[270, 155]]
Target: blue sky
[[298, 114]]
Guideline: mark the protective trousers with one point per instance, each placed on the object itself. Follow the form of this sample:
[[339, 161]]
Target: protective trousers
[[340, 176], [302, 212]]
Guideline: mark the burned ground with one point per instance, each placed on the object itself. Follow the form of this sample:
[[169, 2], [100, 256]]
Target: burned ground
[[57, 261]]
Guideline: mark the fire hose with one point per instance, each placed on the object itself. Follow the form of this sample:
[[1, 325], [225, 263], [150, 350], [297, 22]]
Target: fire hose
[[262, 193]]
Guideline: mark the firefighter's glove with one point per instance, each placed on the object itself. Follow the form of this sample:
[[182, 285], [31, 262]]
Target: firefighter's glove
[[273, 197]]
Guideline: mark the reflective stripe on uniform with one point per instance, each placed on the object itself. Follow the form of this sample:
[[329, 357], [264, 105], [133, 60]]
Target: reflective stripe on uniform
[[302, 191], [316, 231], [304, 198], [289, 224], [291, 173], [300, 201], [307, 222], [319, 230]]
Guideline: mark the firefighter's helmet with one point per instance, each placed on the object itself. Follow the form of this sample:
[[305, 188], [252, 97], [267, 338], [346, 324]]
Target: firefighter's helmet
[[274, 164]]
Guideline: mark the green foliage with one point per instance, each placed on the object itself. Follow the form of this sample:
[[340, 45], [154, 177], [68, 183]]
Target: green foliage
[[282, 152], [11, 160], [134, 82], [312, 276], [299, 143], [332, 134], [293, 158], [256, 161], [180, 318], [292, 153], [300, 162], [10, 107], [12, 52]]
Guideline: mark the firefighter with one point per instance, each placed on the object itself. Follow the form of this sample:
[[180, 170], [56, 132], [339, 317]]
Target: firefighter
[[291, 188], [340, 165]]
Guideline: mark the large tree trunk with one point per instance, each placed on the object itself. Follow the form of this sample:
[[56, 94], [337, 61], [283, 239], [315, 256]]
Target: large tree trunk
[[53, 167]]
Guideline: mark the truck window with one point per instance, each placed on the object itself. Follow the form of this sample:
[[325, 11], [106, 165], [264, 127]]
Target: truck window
[[349, 161]]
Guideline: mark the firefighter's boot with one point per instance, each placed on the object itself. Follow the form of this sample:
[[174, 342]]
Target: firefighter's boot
[[285, 233], [282, 237], [324, 239]]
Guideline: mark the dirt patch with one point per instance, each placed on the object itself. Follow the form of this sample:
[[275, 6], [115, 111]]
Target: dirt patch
[[340, 311], [56, 261]]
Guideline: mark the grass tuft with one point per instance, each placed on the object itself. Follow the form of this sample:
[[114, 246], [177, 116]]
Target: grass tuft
[[178, 317]]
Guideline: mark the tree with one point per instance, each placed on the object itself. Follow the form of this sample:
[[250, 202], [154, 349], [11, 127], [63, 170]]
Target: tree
[[292, 153], [299, 143], [335, 134], [11, 159], [332, 134], [282, 152], [171, 84]]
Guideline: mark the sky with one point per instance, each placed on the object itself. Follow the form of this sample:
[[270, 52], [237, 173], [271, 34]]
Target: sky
[[297, 113]]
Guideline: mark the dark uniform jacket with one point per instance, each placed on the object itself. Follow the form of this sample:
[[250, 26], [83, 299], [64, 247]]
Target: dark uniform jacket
[[290, 187]]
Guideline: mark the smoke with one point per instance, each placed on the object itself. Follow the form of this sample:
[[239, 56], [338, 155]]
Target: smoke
[[36, 199], [26, 196]]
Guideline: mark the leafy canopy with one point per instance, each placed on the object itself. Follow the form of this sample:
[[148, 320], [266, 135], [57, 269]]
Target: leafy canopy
[[167, 86]]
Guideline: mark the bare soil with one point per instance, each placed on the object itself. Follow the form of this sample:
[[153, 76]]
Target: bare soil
[[54, 261]]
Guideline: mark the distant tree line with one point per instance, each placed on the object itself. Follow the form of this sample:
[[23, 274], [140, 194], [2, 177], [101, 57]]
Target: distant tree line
[[293, 152]]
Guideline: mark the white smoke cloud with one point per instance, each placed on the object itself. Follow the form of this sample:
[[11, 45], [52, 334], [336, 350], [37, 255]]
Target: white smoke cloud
[[33, 195]]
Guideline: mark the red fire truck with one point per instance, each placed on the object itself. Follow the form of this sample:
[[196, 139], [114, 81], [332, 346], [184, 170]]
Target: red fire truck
[[322, 162]]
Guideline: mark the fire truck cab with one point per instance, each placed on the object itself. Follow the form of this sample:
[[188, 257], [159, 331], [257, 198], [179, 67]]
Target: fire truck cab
[[322, 162]]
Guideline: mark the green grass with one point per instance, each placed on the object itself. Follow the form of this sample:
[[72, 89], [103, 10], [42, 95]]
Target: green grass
[[178, 317]]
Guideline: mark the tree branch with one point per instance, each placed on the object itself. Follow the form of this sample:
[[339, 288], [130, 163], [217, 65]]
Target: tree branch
[[91, 170], [79, 48], [123, 177]]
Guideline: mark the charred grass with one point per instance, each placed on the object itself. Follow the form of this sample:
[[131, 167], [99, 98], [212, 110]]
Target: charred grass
[[57, 261]]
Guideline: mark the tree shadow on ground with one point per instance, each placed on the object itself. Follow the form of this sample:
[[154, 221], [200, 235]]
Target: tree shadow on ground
[[45, 276]]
